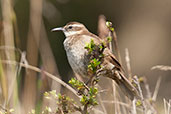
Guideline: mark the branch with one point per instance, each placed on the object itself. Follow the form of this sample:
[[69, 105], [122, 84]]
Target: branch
[[41, 71]]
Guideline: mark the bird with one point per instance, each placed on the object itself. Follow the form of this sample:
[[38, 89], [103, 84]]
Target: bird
[[77, 36]]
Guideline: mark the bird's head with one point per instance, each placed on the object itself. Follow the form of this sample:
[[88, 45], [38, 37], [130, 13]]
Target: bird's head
[[71, 28]]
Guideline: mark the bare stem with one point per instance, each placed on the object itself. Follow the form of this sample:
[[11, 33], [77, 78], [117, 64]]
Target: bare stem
[[85, 109], [140, 92], [127, 59], [41, 71], [156, 89], [134, 107]]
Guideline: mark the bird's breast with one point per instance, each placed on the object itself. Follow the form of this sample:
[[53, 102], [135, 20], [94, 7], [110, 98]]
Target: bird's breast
[[77, 55]]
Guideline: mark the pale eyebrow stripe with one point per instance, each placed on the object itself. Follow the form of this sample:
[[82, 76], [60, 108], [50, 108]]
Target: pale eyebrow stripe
[[70, 33], [76, 25]]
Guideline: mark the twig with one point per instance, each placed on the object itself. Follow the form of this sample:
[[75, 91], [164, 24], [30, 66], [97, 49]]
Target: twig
[[86, 87], [169, 106], [147, 88], [40, 71], [104, 32], [140, 92], [110, 43], [3, 108], [77, 108], [134, 107], [112, 47], [84, 111], [149, 103], [156, 89], [127, 59], [165, 110]]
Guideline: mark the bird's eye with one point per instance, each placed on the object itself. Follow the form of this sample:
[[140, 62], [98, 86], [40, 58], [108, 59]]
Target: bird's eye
[[70, 27]]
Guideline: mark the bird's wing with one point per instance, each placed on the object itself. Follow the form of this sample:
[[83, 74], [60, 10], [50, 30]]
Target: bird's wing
[[108, 55]]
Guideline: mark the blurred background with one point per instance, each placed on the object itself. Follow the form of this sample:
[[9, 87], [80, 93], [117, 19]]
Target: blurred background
[[141, 26]]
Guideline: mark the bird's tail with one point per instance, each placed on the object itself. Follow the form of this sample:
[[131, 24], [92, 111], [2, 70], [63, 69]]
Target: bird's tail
[[126, 86]]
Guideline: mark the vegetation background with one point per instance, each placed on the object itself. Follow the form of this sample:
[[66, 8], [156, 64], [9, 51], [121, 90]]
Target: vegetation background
[[141, 26]]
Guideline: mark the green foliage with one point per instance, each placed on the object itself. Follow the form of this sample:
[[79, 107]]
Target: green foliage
[[93, 65], [139, 103], [109, 38], [141, 79], [76, 83], [90, 46], [110, 26], [50, 94], [65, 104], [96, 55], [88, 98]]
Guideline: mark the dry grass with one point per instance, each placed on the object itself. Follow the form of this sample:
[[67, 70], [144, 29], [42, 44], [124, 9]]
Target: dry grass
[[161, 67]]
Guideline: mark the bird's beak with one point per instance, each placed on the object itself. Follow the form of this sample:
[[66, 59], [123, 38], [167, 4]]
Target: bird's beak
[[57, 29]]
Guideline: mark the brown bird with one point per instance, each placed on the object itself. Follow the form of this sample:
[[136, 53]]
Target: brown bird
[[77, 36]]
